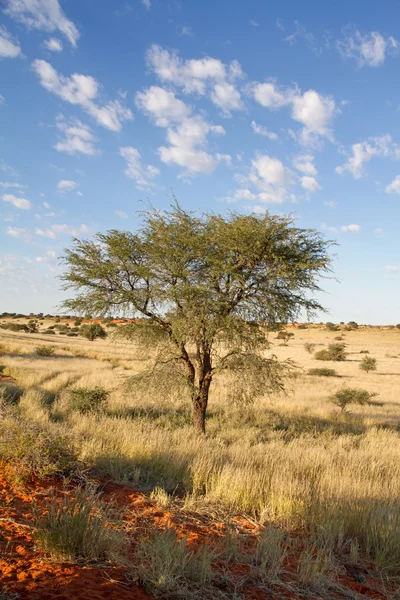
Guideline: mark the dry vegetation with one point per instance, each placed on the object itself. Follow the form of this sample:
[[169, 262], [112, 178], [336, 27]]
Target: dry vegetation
[[293, 461]]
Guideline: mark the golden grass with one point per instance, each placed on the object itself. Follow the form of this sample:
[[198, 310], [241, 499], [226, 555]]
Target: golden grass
[[292, 460]]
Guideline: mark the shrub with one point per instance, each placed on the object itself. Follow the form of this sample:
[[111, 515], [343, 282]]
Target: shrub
[[364, 351], [72, 334], [78, 527], [10, 394], [49, 332], [334, 352], [77, 323], [352, 325], [302, 326], [332, 327], [34, 449], [346, 396], [87, 400], [368, 364], [323, 372], [92, 331], [44, 350], [165, 564], [285, 336], [309, 347]]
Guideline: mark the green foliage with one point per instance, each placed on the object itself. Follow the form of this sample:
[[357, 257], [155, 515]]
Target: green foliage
[[285, 336], [332, 327], [302, 326], [352, 325], [323, 372], [309, 347], [222, 279], [78, 527], [44, 350], [35, 450], [78, 323], [346, 396], [88, 400], [15, 327], [165, 564], [10, 394], [92, 331], [49, 332], [334, 352], [368, 364]]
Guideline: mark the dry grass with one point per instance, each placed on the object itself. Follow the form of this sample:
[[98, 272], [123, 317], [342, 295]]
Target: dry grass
[[293, 460]]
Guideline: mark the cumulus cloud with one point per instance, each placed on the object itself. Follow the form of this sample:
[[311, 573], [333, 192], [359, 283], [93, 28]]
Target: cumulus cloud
[[353, 228], [392, 268], [162, 106], [9, 48], [147, 4], [77, 138], [45, 15], [53, 231], [82, 90], [142, 174], [12, 184], [261, 130], [369, 49], [200, 76], [53, 45], [121, 214], [363, 152], [394, 187], [313, 110], [310, 183], [17, 201], [331, 204], [17, 232], [66, 185]]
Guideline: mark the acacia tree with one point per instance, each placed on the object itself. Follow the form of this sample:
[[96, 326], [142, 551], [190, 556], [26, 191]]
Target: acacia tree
[[205, 286]]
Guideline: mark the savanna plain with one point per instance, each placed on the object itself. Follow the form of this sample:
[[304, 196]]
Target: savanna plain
[[106, 492]]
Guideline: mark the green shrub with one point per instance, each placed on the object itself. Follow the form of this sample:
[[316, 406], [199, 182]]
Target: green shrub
[[334, 352], [332, 327], [309, 347], [346, 396], [323, 372], [77, 323], [368, 364], [49, 332], [87, 400], [44, 350], [72, 334], [10, 394], [364, 351], [166, 565], [302, 326], [78, 528], [92, 331], [34, 449]]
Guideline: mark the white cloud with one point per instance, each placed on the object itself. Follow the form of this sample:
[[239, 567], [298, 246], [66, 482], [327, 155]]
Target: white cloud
[[53, 44], [331, 204], [46, 204], [314, 111], [186, 30], [17, 202], [17, 232], [305, 164], [46, 15], [162, 106], [66, 185], [310, 183], [142, 174], [392, 268], [369, 49], [394, 187], [12, 184], [9, 48], [271, 170], [272, 178], [200, 76], [82, 90], [328, 228], [353, 228], [147, 4], [121, 214], [261, 130], [78, 138], [364, 151], [54, 230], [2, 99], [47, 233], [254, 23]]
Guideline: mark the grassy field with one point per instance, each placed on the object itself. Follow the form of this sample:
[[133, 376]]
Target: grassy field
[[293, 460]]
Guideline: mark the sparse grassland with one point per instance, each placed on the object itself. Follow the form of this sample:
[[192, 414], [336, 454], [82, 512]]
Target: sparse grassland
[[292, 461]]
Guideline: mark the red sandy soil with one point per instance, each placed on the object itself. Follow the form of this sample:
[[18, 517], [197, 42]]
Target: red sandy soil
[[25, 571]]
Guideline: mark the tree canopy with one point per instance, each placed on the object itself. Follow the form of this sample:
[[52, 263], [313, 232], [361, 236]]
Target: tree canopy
[[206, 286]]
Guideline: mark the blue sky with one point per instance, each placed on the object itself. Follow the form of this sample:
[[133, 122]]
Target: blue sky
[[249, 106]]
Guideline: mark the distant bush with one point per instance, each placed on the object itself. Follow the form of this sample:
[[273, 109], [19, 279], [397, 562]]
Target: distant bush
[[323, 372], [44, 350], [92, 331], [309, 347], [78, 323], [72, 334], [334, 352], [285, 336], [10, 394], [368, 364], [352, 325], [302, 326], [87, 400], [398, 326], [78, 528], [34, 449], [346, 396], [332, 327], [15, 327], [49, 332]]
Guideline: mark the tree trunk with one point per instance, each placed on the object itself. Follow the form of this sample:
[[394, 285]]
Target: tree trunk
[[200, 401]]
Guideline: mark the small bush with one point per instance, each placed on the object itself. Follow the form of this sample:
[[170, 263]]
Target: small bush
[[49, 332], [323, 372], [44, 350], [166, 565], [87, 400], [334, 352], [332, 327], [364, 351], [309, 347], [368, 364], [285, 336], [302, 326], [10, 394], [77, 323], [346, 396], [72, 334], [79, 527], [34, 449], [92, 331]]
